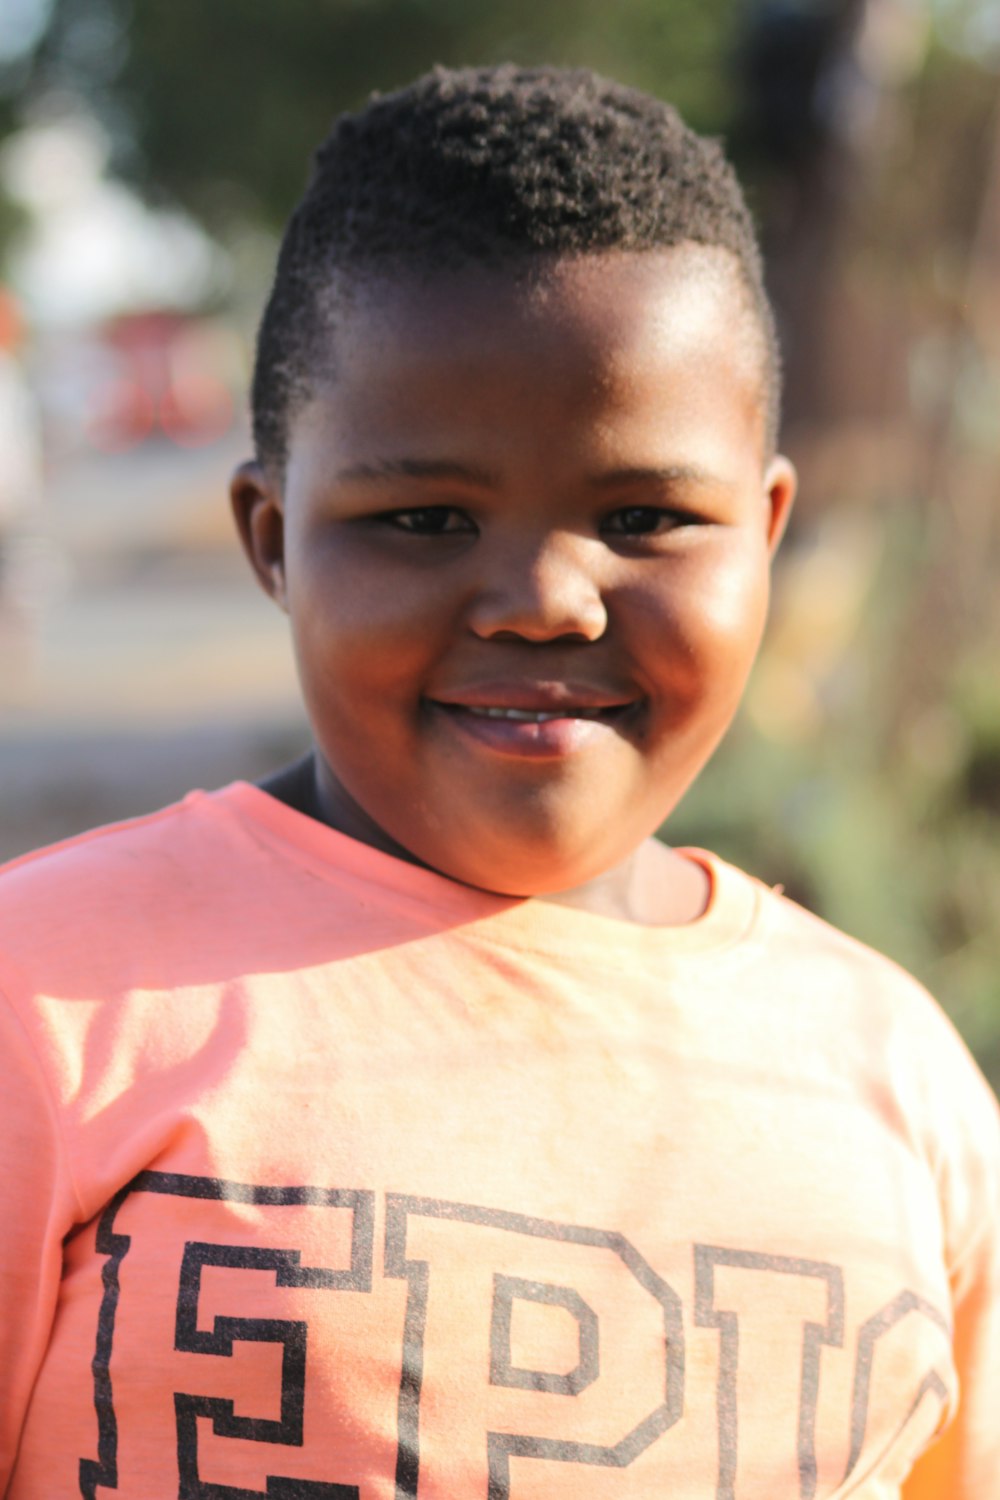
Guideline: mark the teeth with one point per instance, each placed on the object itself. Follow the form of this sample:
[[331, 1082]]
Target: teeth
[[531, 716]]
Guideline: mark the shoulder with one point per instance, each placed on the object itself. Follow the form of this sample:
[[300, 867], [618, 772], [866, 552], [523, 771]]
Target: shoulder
[[73, 901], [143, 847], [830, 966], [883, 1036], [823, 992], [882, 1018], [221, 883]]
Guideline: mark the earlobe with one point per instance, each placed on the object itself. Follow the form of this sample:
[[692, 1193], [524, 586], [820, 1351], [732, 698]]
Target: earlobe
[[780, 485], [259, 512]]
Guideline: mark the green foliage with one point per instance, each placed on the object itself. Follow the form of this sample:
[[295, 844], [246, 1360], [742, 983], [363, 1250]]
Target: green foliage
[[11, 219], [220, 105]]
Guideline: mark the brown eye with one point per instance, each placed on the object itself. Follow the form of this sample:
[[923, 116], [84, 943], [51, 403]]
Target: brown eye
[[430, 520], [641, 520]]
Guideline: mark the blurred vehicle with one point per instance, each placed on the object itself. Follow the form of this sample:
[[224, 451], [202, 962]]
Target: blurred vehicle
[[155, 375], [163, 379]]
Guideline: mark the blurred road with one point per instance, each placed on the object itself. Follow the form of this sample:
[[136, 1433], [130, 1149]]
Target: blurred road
[[137, 656], [135, 603]]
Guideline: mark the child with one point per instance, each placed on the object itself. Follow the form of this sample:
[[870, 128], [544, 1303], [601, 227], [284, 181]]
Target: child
[[414, 1124]]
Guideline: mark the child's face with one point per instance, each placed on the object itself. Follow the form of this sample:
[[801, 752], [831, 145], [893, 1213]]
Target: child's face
[[523, 539]]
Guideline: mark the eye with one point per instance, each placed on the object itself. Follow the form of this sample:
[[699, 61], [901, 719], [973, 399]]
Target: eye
[[430, 520], [645, 520]]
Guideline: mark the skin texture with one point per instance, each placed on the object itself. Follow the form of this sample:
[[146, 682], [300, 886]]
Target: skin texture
[[538, 492]]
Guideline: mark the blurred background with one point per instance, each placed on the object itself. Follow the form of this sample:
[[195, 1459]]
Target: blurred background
[[149, 153]]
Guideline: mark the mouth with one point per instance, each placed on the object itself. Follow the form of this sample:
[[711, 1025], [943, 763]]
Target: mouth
[[541, 715], [528, 731]]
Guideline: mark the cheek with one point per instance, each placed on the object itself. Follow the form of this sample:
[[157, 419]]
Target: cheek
[[360, 638], [734, 609], [710, 621]]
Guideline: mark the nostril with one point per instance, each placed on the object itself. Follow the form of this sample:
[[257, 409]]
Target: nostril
[[540, 638], [532, 615]]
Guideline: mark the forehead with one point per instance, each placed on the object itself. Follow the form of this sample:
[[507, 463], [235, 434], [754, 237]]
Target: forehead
[[601, 301], [647, 331]]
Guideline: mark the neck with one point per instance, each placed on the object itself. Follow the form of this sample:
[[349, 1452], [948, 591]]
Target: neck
[[653, 887]]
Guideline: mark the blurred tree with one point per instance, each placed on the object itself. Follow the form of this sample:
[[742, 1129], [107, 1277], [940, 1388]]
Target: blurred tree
[[11, 218], [785, 55], [220, 105]]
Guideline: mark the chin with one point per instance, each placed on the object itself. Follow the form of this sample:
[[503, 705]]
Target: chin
[[540, 867]]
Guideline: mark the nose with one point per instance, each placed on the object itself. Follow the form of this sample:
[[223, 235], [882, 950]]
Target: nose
[[542, 593]]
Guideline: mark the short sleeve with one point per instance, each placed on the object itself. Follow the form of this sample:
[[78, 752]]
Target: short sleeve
[[964, 1463], [34, 1208]]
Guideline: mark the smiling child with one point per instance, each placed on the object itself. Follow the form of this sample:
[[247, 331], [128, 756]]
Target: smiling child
[[415, 1123]]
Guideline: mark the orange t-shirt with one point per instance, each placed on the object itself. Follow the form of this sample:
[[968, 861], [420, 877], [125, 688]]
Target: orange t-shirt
[[326, 1177]]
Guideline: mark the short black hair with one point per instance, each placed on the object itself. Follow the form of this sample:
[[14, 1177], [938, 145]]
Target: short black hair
[[491, 165]]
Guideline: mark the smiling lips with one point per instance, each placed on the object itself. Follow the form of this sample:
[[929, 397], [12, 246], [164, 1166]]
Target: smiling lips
[[545, 723], [539, 716]]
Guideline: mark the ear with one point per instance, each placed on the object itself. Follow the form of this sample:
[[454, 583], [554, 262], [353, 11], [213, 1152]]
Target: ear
[[780, 485], [258, 507]]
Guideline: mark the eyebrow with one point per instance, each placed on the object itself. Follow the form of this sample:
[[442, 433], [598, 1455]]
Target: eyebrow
[[672, 474], [384, 469]]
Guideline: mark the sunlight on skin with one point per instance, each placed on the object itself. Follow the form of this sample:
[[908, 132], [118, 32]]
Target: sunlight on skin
[[532, 493]]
